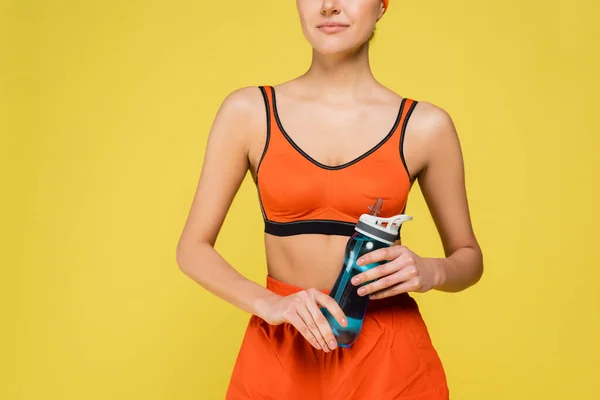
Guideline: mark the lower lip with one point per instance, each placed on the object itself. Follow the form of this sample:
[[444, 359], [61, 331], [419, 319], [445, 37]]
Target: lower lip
[[333, 29]]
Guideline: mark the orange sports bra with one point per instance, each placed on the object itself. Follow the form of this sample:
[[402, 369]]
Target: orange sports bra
[[299, 195]]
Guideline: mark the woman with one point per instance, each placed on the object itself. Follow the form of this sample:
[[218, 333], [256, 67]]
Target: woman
[[333, 141]]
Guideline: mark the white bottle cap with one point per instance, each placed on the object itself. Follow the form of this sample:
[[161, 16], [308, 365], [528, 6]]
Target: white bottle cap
[[382, 229]]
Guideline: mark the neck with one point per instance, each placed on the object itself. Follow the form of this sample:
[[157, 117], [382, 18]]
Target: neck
[[341, 75]]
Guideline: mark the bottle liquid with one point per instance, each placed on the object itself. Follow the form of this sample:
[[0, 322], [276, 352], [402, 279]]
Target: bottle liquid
[[372, 233]]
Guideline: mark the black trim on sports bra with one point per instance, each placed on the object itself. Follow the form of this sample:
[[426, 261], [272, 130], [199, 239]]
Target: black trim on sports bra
[[323, 227], [402, 134], [268, 111], [330, 167]]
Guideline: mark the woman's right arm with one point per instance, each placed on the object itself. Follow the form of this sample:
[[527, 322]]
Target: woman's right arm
[[239, 121], [240, 118]]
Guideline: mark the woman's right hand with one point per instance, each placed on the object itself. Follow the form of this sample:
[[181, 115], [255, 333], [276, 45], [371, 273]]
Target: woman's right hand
[[301, 309]]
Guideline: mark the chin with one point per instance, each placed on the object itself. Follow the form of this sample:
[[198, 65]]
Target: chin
[[332, 47]]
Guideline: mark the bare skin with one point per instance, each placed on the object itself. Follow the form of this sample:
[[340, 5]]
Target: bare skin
[[349, 113]]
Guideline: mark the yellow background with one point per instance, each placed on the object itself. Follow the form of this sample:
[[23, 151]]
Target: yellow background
[[105, 111]]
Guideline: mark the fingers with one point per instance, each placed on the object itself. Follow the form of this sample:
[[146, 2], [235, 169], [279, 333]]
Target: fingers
[[322, 325], [293, 317], [310, 323], [384, 254], [303, 312], [403, 274], [332, 306], [404, 287], [382, 270]]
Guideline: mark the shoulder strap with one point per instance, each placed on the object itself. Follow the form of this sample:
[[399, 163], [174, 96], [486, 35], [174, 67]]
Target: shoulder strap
[[407, 110], [267, 96], [267, 92]]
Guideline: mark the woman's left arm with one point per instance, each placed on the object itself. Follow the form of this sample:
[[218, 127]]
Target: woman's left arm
[[442, 181]]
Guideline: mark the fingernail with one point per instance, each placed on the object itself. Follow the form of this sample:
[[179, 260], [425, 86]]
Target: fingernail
[[360, 261], [318, 347], [356, 280], [362, 290], [332, 345], [344, 322]]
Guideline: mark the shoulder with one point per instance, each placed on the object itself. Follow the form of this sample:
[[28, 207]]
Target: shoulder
[[431, 121], [432, 126], [241, 114], [243, 103], [431, 130]]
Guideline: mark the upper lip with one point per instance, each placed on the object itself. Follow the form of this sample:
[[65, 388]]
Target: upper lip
[[330, 23]]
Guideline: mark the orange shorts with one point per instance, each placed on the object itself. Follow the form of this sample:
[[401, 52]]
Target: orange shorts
[[393, 358]]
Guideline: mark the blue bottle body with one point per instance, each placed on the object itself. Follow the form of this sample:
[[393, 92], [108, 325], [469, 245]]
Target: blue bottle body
[[346, 294]]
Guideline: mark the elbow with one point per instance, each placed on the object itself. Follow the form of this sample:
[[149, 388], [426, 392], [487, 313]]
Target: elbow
[[478, 269], [187, 255], [472, 262], [180, 257]]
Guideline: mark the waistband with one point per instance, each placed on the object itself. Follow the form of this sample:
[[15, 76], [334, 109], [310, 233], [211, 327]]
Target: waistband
[[400, 300]]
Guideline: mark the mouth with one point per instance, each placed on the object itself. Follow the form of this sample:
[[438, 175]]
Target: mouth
[[332, 27]]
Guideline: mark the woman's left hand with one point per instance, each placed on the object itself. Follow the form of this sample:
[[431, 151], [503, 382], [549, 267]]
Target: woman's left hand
[[405, 272]]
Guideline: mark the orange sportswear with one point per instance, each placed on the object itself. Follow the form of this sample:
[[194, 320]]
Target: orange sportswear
[[393, 358], [300, 195]]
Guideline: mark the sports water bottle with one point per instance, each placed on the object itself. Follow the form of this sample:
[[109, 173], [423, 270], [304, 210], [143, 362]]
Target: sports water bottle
[[372, 233]]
